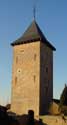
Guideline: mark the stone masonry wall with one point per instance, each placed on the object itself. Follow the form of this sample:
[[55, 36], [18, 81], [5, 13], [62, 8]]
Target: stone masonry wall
[[46, 77], [25, 78], [32, 78]]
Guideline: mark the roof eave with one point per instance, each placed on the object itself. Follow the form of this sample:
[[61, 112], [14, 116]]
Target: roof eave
[[24, 42], [32, 40], [48, 44]]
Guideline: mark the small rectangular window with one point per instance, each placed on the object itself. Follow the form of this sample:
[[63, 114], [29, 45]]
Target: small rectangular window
[[22, 51]]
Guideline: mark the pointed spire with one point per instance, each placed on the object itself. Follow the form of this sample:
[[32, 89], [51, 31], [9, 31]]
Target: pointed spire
[[33, 33]]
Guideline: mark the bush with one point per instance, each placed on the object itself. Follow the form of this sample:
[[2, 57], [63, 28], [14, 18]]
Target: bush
[[63, 101], [64, 110]]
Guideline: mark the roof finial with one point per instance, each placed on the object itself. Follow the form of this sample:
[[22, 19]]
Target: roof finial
[[34, 12]]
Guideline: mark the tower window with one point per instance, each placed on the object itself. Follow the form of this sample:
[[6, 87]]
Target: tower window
[[15, 80], [35, 56], [46, 69], [22, 51], [34, 78]]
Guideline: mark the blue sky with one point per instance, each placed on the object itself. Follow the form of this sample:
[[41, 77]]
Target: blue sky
[[15, 16]]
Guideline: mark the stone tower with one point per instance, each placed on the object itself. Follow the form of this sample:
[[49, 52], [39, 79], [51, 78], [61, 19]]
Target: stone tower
[[32, 73]]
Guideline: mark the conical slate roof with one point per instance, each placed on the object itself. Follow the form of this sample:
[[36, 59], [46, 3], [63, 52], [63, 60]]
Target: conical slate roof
[[32, 34]]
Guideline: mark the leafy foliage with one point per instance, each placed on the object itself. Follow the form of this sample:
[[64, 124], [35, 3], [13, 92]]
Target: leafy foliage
[[63, 101]]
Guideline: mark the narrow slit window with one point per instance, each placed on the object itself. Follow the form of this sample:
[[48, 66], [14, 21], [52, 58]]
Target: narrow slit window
[[46, 69], [34, 78], [15, 80], [35, 56]]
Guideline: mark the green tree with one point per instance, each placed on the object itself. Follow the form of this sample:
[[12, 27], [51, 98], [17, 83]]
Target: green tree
[[63, 101]]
